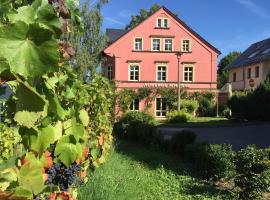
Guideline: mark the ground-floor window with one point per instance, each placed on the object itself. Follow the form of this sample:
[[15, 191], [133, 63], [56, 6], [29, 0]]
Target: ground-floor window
[[135, 105], [161, 107]]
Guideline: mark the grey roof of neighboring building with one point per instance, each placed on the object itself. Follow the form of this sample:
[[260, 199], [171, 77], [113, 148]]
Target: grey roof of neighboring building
[[114, 34], [257, 52]]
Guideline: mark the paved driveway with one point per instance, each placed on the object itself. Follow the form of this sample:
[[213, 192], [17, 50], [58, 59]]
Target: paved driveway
[[238, 137]]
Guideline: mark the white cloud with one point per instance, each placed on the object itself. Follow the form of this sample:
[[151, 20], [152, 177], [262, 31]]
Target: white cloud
[[253, 7], [113, 21], [126, 14]]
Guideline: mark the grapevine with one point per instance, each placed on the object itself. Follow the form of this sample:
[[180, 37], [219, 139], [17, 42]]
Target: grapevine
[[56, 126]]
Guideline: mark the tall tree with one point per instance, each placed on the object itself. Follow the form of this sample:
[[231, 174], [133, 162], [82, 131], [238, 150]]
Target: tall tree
[[90, 42], [225, 61], [135, 20]]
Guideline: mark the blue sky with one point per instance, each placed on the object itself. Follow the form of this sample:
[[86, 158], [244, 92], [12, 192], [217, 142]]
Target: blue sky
[[227, 24]]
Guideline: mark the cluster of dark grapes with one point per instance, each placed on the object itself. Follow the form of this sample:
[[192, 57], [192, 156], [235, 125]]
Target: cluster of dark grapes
[[63, 176]]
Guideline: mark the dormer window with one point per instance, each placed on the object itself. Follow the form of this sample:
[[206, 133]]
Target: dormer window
[[186, 45], [159, 23], [165, 23], [138, 44], [162, 23]]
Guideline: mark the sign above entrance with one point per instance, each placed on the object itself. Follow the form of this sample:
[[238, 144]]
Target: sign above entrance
[[160, 85]]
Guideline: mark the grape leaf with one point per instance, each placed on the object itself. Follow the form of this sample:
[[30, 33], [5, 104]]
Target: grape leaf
[[29, 49], [30, 107], [43, 14], [56, 108], [46, 137], [30, 175], [84, 117], [67, 153]]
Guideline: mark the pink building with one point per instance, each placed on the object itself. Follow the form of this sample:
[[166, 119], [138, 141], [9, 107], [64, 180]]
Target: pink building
[[146, 56]]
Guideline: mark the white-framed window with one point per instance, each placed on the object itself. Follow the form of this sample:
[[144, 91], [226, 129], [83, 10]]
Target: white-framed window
[[110, 73], [186, 45], [138, 44], [135, 105], [162, 23], [134, 72], [168, 44], [161, 107], [159, 23], [156, 44], [188, 73], [161, 73], [165, 23]]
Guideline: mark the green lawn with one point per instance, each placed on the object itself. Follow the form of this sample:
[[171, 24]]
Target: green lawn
[[137, 172]]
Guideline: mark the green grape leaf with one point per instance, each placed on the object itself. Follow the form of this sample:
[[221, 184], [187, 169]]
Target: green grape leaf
[[46, 137], [29, 49], [75, 129], [56, 108], [30, 176], [22, 194], [84, 117], [3, 64], [7, 176], [30, 106], [42, 13], [26, 118], [5, 7], [67, 153]]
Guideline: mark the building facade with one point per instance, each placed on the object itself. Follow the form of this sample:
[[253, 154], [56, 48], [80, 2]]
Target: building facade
[[251, 67], [148, 56]]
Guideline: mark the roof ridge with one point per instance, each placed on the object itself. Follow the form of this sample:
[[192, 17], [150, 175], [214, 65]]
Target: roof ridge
[[179, 21]]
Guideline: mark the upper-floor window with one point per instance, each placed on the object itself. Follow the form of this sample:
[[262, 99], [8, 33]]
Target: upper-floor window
[[186, 45], [257, 72], [162, 23], [135, 105], [249, 73], [168, 44], [188, 73], [156, 42], [138, 44], [161, 73], [134, 72], [159, 23], [110, 73], [234, 76]]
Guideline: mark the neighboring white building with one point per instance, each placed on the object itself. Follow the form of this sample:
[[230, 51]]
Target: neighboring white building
[[251, 67]]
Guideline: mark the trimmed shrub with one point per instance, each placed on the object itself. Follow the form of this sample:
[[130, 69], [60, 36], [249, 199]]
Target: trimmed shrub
[[179, 141], [206, 103], [252, 105], [238, 104], [206, 108], [212, 161], [136, 126], [253, 172], [191, 106], [181, 116]]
